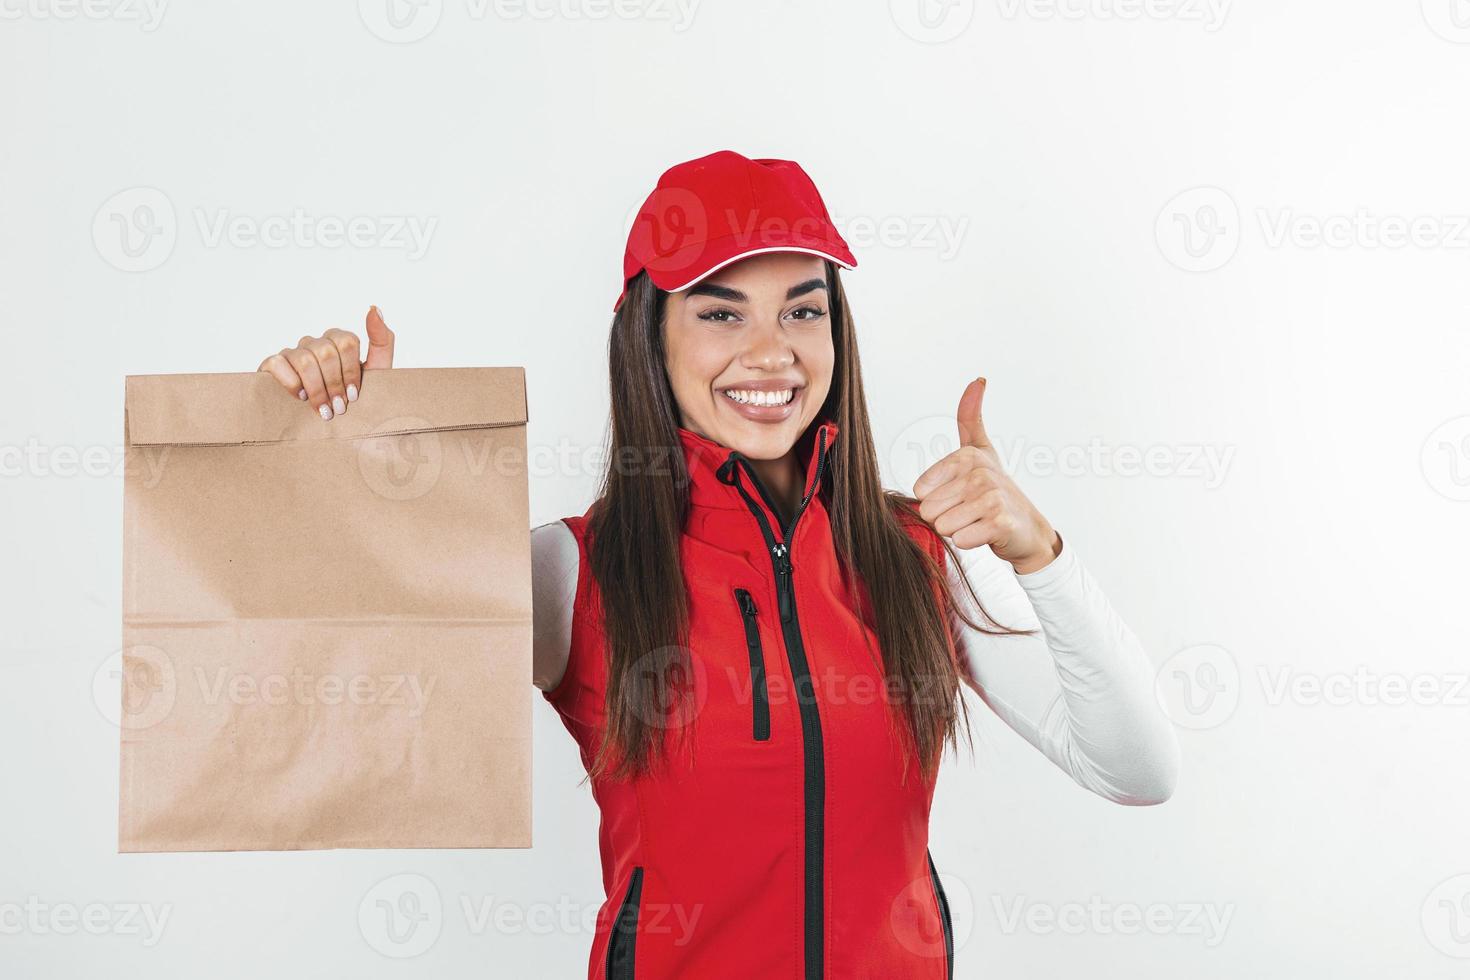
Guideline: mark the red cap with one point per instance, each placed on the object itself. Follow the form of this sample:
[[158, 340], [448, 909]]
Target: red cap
[[709, 212]]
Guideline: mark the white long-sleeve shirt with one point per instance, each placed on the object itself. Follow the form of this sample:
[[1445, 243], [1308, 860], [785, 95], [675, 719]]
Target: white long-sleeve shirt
[[1080, 689]]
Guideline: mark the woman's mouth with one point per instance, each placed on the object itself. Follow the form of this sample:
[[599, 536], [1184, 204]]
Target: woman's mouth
[[763, 404]]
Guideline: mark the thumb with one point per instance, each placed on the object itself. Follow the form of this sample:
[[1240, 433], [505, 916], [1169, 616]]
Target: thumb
[[380, 342], [972, 425]]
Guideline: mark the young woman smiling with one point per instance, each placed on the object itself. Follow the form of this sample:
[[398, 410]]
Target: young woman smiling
[[758, 648]]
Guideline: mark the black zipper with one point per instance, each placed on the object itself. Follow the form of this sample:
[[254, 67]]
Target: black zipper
[[944, 918], [760, 701], [623, 938], [814, 783]]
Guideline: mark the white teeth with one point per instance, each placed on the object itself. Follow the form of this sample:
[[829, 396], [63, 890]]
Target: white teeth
[[745, 397]]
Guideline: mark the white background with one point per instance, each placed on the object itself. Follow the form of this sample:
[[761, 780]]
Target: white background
[[1115, 306]]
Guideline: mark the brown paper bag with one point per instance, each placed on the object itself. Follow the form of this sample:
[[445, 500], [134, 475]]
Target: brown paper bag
[[326, 625]]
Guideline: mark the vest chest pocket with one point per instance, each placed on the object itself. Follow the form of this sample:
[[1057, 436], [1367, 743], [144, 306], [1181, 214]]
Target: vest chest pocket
[[759, 696], [622, 940]]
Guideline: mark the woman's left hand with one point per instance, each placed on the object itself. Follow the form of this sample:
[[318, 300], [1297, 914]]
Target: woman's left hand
[[970, 499]]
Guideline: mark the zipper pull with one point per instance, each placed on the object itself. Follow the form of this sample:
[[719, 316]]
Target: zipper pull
[[783, 580]]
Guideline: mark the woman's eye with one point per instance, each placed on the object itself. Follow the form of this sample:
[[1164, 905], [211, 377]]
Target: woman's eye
[[717, 316], [813, 312]]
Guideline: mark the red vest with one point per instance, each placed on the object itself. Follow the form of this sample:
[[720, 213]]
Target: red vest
[[786, 846]]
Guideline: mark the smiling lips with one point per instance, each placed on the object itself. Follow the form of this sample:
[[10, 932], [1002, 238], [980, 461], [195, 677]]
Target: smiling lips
[[763, 401]]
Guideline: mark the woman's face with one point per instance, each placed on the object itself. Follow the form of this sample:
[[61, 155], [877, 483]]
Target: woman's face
[[748, 350]]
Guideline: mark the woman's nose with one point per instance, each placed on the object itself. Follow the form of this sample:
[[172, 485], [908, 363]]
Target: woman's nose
[[768, 349]]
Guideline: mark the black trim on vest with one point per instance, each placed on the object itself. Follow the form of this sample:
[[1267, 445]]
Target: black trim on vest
[[814, 783]]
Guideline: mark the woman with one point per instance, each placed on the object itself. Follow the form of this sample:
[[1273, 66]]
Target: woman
[[756, 647]]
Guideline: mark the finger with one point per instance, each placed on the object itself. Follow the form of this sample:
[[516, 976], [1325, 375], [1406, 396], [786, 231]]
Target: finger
[[983, 532], [347, 350], [380, 341], [331, 364], [961, 494], [279, 368], [956, 466], [972, 427], [962, 514], [310, 372]]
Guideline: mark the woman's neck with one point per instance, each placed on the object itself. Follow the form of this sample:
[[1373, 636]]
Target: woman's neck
[[782, 480]]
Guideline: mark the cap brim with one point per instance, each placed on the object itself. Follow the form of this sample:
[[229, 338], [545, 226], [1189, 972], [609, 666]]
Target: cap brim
[[675, 277]]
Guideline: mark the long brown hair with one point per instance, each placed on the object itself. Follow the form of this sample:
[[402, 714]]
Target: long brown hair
[[633, 546]]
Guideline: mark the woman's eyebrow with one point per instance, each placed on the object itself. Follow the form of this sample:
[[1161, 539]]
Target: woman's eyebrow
[[736, 296]]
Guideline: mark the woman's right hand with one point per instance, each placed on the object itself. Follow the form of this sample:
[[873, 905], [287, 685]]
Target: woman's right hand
[[325, 371]]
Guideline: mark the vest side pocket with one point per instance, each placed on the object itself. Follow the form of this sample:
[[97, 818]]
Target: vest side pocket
[[623, 938], [760, 698], [943, 902]]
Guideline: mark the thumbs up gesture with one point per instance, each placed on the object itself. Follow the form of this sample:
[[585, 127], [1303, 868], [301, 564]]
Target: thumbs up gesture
[[969, 498]]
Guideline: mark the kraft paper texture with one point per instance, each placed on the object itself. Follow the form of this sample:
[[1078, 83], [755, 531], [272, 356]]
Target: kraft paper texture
[[326, 625]]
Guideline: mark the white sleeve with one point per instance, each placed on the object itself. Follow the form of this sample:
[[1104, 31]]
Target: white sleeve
[[554, 568], [1081, 689]]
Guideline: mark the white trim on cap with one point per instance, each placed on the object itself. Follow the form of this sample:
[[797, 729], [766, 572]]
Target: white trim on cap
[[758, 251]]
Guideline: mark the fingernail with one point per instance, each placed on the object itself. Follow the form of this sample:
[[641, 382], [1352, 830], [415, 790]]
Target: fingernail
[[301, 394], [380, 314], [352, 393], [338, 405], [326, 411]]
